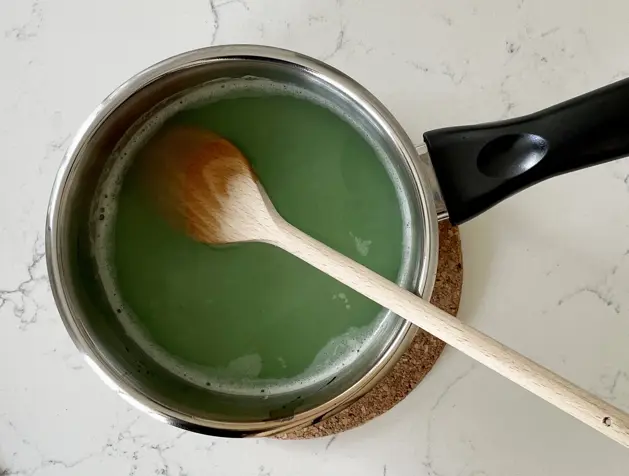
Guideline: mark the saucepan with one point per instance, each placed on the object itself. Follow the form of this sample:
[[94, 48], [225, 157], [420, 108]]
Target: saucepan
[[459, 173]]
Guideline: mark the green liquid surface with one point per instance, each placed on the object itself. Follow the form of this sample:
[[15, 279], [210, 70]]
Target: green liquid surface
[[251, 310]]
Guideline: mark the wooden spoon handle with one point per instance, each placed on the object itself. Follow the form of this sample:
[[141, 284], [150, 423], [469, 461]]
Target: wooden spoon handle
[[556, 390]]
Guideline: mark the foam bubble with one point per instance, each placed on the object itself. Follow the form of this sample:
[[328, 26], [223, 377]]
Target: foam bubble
[[241, 375]]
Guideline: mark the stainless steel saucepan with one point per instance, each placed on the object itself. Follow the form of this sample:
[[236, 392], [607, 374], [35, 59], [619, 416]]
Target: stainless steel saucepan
[[459, 173]]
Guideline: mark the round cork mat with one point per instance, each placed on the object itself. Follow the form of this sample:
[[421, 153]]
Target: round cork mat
[[415, 363]]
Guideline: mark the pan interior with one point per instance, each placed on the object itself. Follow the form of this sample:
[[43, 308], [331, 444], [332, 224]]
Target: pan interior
[[203, 390]]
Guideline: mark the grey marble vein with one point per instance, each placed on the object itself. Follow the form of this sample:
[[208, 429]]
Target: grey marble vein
[[552, 31], [20, 296], [620, 374], [44, 462], [339, 44], [216, 7], [418, 66], [242, 3], [603, 289], [30, 29], [216, 20], [428, 462], [603, 295]]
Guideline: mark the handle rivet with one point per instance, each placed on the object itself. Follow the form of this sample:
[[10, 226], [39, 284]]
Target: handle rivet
[[607, 421]]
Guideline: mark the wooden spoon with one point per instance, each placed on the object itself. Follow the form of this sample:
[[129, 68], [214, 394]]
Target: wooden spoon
[[204, 186]]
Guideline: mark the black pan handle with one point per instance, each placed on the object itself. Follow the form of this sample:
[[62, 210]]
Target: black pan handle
[[479, 166]]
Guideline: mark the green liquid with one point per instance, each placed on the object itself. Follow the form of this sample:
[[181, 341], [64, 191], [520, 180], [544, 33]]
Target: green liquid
[[251, 310]]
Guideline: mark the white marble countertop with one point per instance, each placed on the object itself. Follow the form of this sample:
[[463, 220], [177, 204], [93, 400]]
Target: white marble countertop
[[546, 272]]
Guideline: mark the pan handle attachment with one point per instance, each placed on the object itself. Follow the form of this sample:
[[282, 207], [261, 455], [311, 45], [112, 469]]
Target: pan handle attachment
[[479, 166]]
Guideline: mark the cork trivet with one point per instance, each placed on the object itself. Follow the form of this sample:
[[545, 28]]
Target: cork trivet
[[416, 361]]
